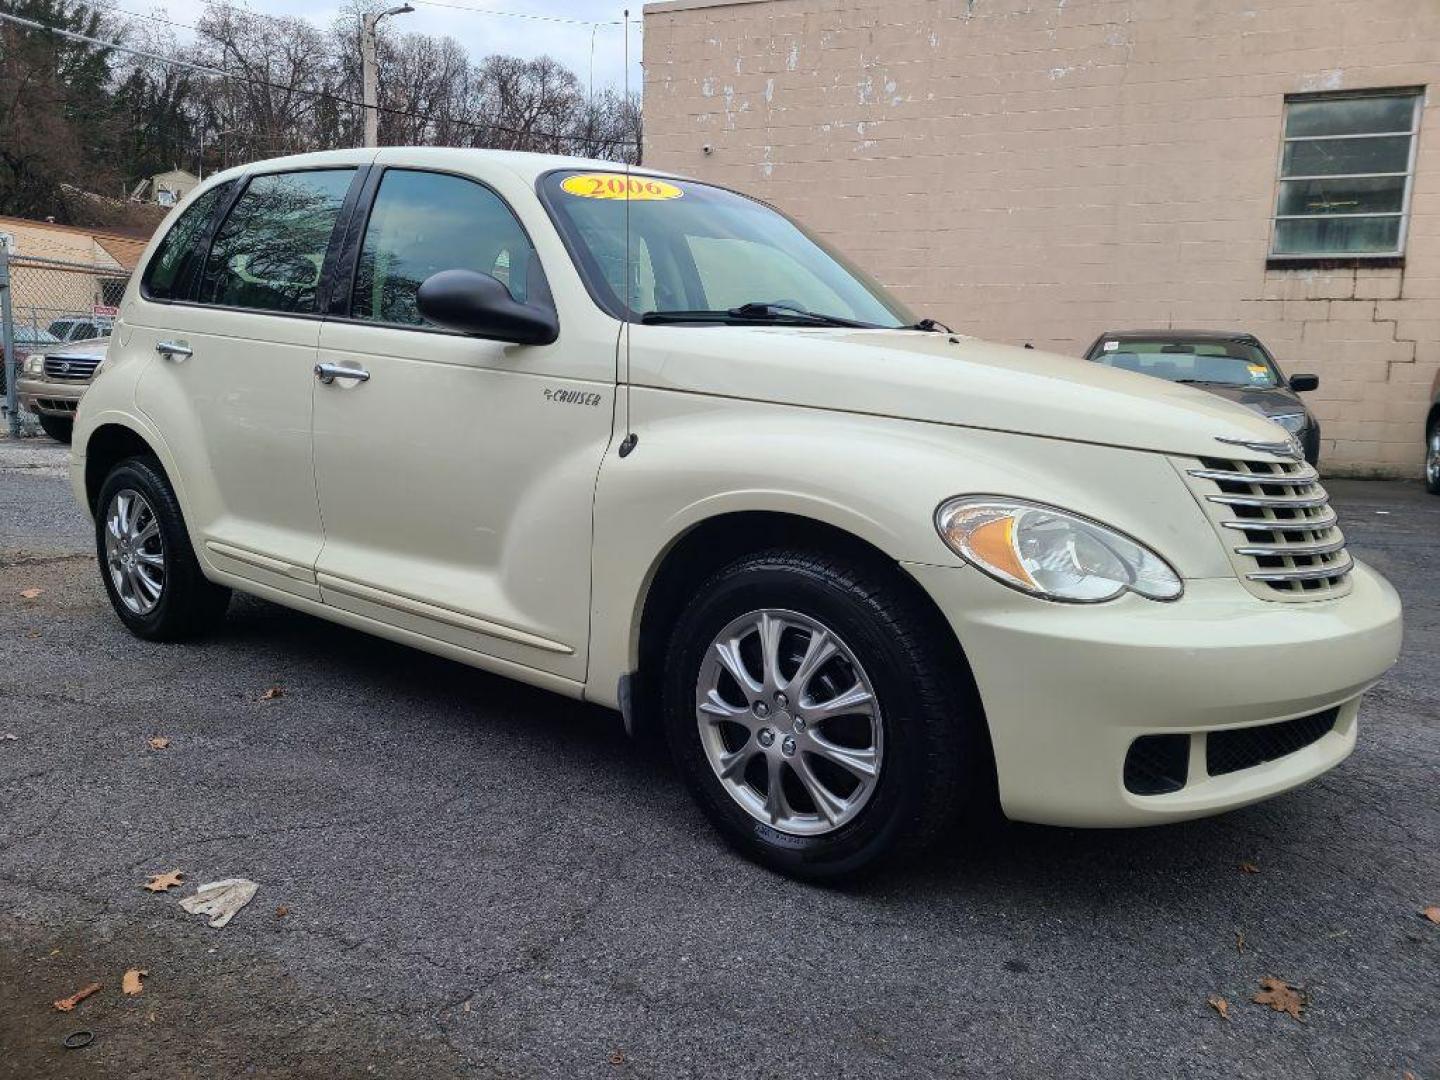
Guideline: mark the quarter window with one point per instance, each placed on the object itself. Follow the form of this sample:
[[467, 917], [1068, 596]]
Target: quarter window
[[269, 252], [423, 223], [177, 256], [1345, 175]]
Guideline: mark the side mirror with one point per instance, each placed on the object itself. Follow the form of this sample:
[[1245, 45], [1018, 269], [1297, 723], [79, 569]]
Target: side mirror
[[480, 305], [1301, 383]]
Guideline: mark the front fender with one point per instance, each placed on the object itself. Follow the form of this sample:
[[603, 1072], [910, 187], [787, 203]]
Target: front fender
[[878, 478]]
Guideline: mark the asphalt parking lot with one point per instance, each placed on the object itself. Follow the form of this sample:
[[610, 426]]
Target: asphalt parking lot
[[480, 879]]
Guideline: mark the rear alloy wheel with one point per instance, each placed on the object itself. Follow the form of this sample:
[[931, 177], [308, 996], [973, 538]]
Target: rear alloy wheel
[[134, 551], [147, 564], [821, 713], [1432, 458]]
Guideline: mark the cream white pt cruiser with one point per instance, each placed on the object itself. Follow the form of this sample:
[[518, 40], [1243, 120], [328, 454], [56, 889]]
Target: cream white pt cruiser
[[669, 453]]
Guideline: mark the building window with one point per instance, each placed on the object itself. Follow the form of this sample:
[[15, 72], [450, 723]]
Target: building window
[[1345, 175]]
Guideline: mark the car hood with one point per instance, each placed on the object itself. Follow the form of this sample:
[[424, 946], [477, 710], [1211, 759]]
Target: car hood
[[944, 379], [1267, 401], [86, 348]]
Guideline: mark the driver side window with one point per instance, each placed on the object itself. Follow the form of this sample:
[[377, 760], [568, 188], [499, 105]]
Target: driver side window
[[423, 223]]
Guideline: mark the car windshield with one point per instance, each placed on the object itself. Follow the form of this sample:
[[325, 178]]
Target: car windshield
[[700, 254], [1224, 363]]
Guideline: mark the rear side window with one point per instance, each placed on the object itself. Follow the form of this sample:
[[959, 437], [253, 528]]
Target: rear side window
[[423, 223], [268, 254], [169, 271]]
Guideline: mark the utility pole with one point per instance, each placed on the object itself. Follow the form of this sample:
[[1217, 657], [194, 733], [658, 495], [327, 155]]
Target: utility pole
[[369, 76]]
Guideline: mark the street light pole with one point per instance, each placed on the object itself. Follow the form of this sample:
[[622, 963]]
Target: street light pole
[[369, 75]]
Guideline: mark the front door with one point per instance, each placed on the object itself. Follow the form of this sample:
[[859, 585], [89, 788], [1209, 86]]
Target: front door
[[230, 378], [456, 480]]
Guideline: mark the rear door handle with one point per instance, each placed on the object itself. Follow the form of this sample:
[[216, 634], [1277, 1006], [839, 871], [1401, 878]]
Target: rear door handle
[[172, 349], [328, 373]]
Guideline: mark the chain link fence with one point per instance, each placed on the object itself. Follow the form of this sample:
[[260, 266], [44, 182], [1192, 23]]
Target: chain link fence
[[45, 304]]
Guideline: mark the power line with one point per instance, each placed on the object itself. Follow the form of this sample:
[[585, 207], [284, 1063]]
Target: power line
[[524, 14], [205, 69]]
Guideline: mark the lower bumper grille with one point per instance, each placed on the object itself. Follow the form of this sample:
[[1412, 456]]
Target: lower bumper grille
[[1244, 748], [1160, 764]]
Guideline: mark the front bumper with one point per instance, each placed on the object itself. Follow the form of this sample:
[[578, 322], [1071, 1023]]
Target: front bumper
[[49, 398], [1068, 688]]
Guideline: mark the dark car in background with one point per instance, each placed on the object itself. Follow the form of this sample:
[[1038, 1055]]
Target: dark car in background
[[1228, 363], [1432, 439]]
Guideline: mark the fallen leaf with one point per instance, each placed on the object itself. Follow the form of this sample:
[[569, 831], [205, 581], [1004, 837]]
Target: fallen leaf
[[66, 1004], [9, 737], [1249, 868], [273, 693], [159, 743], [164, 882], [466, 1006], [31, 594], [131, 982], [1239, 941], [1220, 1005], [1280, 996], [281, 911], [617, 1057], [1432, 912]]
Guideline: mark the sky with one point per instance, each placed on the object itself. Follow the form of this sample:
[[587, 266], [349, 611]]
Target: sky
[[529, 28]]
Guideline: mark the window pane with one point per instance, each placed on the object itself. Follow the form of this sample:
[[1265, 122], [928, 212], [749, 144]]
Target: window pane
[[1329, 157], [1336, 236], [269, 252], [176, 256], [1349, 116], [1377, 195], [424, 223]]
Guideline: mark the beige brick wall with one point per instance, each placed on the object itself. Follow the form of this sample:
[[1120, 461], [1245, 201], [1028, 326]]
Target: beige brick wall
[[1042, 171]]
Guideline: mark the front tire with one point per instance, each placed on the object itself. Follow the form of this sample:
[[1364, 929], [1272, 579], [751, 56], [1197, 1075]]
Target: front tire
[[820, 714], [59, 428], [146, 562]]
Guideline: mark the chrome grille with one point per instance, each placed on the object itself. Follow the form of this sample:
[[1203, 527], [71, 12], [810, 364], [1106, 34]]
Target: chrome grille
[[75, 368], [1277, 525]]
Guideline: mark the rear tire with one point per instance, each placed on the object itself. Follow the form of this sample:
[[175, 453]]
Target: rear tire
[[59, 428], [146, 562], [1432, 457], [924, 733]]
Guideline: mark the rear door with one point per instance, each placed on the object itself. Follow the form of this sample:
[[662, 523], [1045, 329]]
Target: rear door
[[456, 482], [231, 381]]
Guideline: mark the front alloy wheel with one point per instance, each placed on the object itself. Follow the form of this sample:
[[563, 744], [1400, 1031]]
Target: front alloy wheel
[[789, 721], [820, 712], [134, 551]]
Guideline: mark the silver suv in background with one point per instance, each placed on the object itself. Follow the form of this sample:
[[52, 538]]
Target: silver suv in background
[[51, 382]]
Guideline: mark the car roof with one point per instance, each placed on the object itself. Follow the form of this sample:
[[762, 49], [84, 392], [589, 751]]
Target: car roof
[[526, 165], [1186, 335]]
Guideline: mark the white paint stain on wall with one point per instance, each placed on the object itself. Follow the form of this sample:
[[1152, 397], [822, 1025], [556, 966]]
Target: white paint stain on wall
[[793, 59], [769, 91], [1331, 79]]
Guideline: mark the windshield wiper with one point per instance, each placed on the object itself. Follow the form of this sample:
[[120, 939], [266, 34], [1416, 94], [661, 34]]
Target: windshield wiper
[[755, 312], [1209, 382]]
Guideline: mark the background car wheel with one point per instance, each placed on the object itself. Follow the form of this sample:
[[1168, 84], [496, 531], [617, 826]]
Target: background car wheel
[[820, 716], [146, 561], [58, 428], [1432, 458]]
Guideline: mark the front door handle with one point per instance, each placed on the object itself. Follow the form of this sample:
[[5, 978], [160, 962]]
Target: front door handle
[[172, 349], [328, 373]]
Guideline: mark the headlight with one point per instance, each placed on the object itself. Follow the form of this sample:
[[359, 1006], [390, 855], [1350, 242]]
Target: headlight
[[1052, 554], [34, 365], [1291, 422]]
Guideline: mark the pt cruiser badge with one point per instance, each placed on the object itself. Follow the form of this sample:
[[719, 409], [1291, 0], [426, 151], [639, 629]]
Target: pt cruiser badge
[[571, 397]]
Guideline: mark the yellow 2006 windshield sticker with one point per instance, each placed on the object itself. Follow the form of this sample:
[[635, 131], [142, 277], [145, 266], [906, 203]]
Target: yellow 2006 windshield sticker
[[613, 186]]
